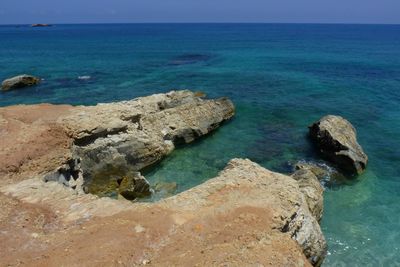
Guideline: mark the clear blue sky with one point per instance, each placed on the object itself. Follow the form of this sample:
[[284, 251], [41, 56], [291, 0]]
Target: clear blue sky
[[111, 11]]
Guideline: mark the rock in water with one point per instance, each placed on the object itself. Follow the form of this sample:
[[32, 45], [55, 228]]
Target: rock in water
[[327, 175], [134, 186], [336, 139], [19, 81]]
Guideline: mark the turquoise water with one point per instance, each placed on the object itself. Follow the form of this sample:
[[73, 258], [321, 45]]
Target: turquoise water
[[281, 77]]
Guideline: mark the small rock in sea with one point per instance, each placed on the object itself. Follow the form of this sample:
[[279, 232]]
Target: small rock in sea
[[337, 140], [19, 81]]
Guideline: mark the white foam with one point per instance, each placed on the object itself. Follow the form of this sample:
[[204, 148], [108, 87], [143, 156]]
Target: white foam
[[85, 77]]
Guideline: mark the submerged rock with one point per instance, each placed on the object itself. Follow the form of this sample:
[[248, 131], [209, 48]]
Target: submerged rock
[[19, 81], [166, 189], [326, 174], [189, 59], [337, 141]]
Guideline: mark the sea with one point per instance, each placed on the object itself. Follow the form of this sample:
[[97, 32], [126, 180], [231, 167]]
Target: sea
[[281, 77]]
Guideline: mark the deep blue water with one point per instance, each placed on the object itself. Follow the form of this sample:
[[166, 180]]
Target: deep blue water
[[281, 77]]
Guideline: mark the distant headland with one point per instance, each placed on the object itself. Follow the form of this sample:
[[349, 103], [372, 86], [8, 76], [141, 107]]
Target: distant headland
[[41, 25]]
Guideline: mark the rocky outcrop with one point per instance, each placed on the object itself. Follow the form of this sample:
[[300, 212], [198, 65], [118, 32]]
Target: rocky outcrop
[[123, 138], [19, 81], [115, 140], [246, 214], [337, 141]]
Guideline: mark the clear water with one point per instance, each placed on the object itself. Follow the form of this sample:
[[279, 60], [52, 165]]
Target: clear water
[[281, 78]]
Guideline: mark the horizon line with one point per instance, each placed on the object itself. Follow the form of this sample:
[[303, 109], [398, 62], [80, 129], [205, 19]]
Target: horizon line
[[105, 23]]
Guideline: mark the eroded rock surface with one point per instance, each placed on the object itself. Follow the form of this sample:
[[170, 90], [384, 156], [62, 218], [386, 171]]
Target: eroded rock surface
[[247, 215], [19, 81], [336, 139], [110, 141]]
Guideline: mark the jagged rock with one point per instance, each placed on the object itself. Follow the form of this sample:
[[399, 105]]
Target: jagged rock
[[19, 81], [68, 174], [337, 141], [312, 190], [132, 135]]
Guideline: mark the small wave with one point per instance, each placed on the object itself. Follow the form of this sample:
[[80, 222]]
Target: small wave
[[85, 77]]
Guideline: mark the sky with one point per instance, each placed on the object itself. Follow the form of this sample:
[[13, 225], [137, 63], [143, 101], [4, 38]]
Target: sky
[[141, 11]]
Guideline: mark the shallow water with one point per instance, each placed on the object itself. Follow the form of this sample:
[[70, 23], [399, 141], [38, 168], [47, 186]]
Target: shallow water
[[281, 77]]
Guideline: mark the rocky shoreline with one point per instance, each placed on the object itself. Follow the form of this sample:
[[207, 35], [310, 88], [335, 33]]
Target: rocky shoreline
[[58, 163]]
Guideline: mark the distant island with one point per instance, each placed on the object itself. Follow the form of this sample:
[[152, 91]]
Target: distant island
[[41, 25]]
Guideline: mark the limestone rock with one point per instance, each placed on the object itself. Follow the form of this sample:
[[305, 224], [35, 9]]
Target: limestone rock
[[337, 141], [312, 191], [112, 140], [19, 81], [132, 135], [247, 214]]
